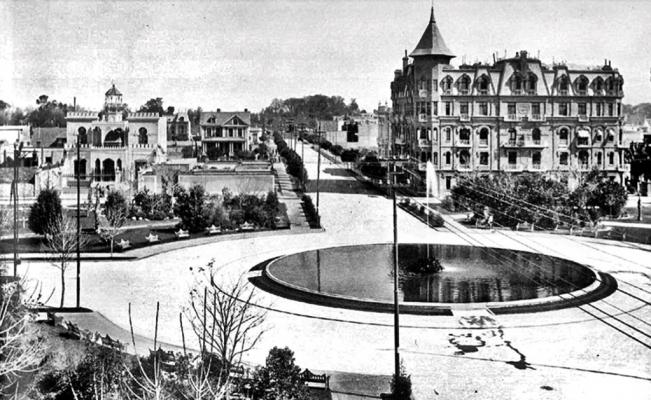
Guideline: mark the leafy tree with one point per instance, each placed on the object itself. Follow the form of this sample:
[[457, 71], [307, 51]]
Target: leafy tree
[[45, 212], [189, 207], [153, 105], [279, 378], [4, 105]]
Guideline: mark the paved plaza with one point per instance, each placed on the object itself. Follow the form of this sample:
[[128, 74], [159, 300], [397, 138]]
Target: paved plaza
[[596, 351]]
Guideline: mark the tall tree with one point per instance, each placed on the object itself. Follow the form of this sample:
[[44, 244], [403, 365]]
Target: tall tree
[[61, 242], [154, 105], [115, 211], [45, 212]]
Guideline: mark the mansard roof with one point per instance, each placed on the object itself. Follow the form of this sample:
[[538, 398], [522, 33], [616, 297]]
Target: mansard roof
[[431, 43]]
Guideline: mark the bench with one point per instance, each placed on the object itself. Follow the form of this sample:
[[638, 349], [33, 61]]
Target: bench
[[108, 341], [213, 230], [315, 381], [124, 244], [525, 226], [247, 227], [181, 234], [151, 238]]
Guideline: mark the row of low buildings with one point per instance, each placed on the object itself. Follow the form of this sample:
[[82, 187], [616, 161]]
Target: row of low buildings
[[119, 148], [516, 114]]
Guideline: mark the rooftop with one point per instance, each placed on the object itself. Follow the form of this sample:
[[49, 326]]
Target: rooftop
[[432, 43]]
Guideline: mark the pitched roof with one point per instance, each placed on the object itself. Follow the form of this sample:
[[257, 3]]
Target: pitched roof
[[431, 43], [113, 91], [222, 117]]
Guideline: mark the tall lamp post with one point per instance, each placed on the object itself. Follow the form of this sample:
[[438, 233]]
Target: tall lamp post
[[78, 220], [18, 149], [318, 175], [396, 309]]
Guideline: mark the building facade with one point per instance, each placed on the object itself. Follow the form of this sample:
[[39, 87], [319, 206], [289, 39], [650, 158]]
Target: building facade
[[225, 133], [516, 114], [114, 145]]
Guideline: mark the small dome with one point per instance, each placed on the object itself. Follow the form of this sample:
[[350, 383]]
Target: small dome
[[113, 91]]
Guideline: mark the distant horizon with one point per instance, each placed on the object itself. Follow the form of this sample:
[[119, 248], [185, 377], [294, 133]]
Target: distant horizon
[[235, 55]]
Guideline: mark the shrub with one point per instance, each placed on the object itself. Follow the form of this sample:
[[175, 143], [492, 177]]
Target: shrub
[[310, 211], [213, 153], [190, 206], [45, 212], [337, 150], [350, 155], [401, 385], [279, 378], [152, 206]]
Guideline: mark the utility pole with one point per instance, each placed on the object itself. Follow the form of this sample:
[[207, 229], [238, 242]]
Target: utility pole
[[18, 147], [78, 221], [318, 175], [396, 309]]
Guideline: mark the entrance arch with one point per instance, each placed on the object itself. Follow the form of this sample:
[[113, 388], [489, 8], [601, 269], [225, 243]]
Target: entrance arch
[[108, 170]]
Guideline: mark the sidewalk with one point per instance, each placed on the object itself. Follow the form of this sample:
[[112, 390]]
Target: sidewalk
[[289, 194]]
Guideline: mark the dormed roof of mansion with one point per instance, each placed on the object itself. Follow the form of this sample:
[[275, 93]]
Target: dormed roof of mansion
[[94, 116], [221, 118]]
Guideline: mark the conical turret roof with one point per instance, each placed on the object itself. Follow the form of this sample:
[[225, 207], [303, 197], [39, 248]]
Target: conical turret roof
[[431, 43]]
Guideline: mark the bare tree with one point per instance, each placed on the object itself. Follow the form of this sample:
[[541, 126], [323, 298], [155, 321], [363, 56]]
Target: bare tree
[[226, 320], [21, 350], [116, 218], [61, 243]]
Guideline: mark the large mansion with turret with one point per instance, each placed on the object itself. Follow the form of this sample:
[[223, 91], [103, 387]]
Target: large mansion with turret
[[516, 114]]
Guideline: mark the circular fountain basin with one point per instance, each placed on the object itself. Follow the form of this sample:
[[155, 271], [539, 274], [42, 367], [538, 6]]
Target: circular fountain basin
[[504, 280]]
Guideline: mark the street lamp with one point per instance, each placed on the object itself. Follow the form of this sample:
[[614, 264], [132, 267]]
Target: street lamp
[[396, 309], [318, 175], [78, 220], [18, 148]]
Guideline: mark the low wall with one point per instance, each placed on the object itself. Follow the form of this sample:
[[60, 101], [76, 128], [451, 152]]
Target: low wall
[[236, 183]]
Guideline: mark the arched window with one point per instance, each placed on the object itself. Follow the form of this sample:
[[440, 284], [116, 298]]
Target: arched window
[[423, 134], [83, 137], [563, 135], [446, 84], [531, 83], [435, 134], [448, 133], [535, 135], [463, 84], [483, 84], [98, 170], [584, 159], [97, 136], [142, 135], [611, 158], [483, 136], [563, 85], [447, 158], [119, 165], [435, 158], [599, 158], [581, 84], [108, 169], [464, 158], [516, 84], [598, 85], [611, 86], [535, 159]]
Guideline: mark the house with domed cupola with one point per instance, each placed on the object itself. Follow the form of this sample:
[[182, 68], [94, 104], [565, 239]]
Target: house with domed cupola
[[114, 144]]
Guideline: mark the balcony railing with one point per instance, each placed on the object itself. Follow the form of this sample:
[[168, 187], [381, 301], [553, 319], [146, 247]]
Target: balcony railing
[[483, 142], [536, 117], [422, 117], [465, 117], [512, 117], [464, 142], [583, 118], [536, 166]]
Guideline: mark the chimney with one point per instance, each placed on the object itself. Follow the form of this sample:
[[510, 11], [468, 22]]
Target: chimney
[[219, 110], [246, 110], [405, 61], [74, 103]]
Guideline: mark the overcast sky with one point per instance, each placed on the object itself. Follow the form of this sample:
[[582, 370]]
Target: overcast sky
[[237, 54]]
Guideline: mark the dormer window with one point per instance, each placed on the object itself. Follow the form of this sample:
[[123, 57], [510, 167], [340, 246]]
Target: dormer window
[[446, 85], [582, 85], [598, 85], [211, 120], [611, 86], [530, 84], [516, 84], [563, 85], [483, 84], [464, 84]]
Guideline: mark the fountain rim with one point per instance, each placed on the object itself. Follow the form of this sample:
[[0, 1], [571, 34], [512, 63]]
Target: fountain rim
[[602, 286]]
